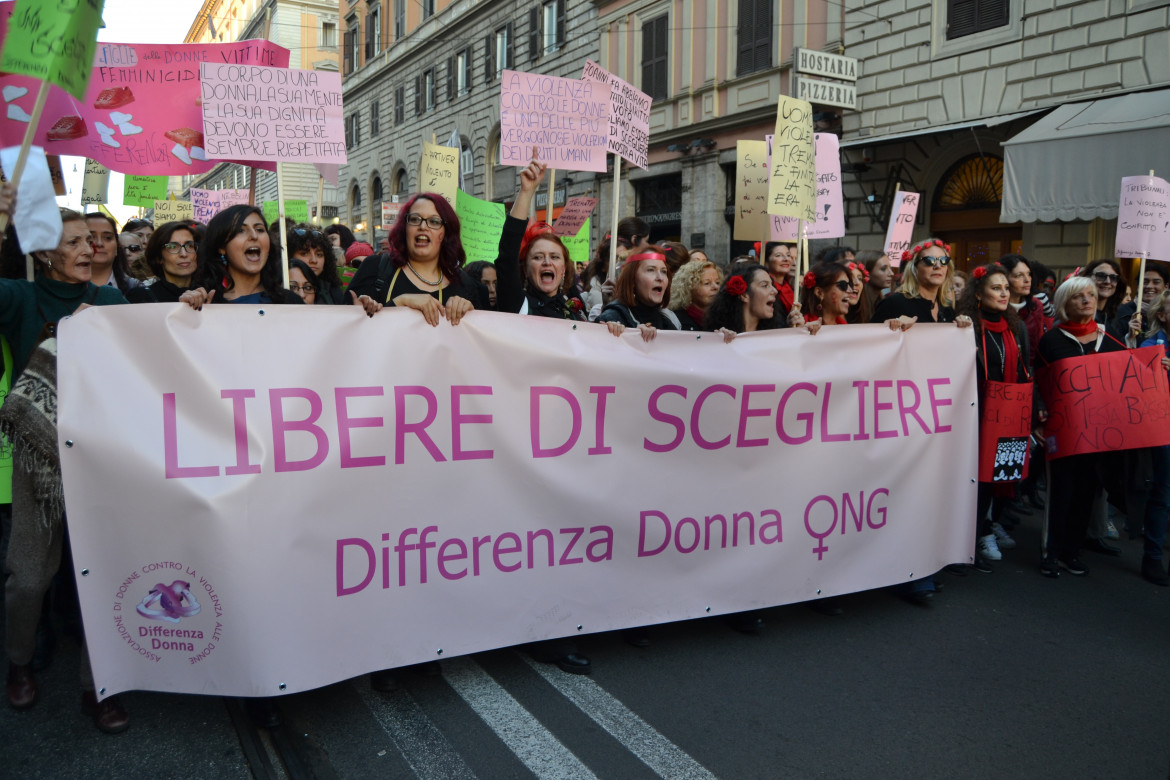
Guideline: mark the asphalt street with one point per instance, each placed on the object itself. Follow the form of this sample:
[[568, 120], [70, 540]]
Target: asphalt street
[[1007, 674]]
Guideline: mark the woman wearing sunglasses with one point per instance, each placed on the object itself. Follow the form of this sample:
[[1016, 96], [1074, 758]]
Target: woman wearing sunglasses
[[925, 294], [424, 268], [173, 256], [1106, 275], [312, 247], [829, 290]]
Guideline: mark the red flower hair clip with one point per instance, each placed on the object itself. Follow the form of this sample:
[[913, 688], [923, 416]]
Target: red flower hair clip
[[809, 281], [757, 247], [979, 272], [907, 256], [736, 285]]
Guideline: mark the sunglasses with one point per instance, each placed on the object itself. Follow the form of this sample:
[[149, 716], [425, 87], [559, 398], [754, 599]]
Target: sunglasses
[[843, 285], [133, 248], [935, 262], [302, 232], [1106, 278]]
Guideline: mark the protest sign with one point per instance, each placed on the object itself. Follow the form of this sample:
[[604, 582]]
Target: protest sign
[[1143, 218], [206, 204], [751, 190], [390, 213], [480, 226], [574, 214], [792, 188], [578, 245], [253, 449], [37, 213], [629, 115], [903, 213], [171, 211], [440, 171], [782, 228], [95, 185], [1105, 402], [140, 113], [1005, 427], [57, 175], [143, 190], [830, 221], [296, 210], [566, 119], [274, 114], [53, 42]]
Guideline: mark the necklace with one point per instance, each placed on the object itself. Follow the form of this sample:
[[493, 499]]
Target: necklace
[[1002, 355], [421, 278]]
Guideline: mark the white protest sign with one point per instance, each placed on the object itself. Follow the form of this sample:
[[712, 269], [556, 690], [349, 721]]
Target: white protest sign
[[629, 115], [37, 218], [901, 230], [1143, 218]]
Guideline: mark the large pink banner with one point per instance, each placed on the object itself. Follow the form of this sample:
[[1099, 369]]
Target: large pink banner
[[251, 525], [141, 113], [567, 120]]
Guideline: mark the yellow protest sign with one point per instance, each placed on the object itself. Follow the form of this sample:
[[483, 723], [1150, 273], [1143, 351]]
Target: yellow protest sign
[[95, 187], [440, 171], [751, 190], [172, 210], [792, 190]]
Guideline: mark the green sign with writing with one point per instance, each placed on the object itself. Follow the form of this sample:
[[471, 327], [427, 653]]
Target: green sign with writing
[[144, 190], [578, 245], [53, 42], [480, 226], [296, 210]]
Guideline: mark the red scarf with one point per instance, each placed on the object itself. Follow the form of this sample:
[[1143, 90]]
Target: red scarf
[[1079, 330], [696, 314], [1011, 352]]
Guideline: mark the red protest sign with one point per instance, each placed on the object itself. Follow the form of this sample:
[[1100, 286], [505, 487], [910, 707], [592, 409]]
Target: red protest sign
[[1004, 424], [1106, 402]]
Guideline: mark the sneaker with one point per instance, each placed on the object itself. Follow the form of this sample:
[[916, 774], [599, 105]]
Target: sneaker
[[1002, 539], [1049, 568], [1111, 530], [1074, 566], [982, 566], [988, 548]]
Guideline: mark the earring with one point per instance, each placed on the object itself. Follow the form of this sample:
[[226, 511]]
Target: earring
[[223, 258]]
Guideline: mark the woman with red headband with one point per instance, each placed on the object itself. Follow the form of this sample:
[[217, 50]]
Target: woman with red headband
[[1001, 356], [828, 288], [641, 294], [925, 294]]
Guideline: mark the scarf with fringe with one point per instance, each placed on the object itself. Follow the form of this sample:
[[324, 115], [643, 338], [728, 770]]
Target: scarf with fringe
[[28, 419]]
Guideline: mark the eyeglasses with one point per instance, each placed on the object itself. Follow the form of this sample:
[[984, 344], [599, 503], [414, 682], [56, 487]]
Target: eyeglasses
[[415, 220], [302, 232], [1106, 278], [171, 248], [935, 262], [301, 289], [843, 285]]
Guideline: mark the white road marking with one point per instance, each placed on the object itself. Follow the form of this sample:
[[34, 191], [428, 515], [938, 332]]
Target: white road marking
[[533, 744], [664, 757], [421, 744]]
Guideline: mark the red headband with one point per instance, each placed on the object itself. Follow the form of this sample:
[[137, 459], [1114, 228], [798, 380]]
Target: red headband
[[646, 256]]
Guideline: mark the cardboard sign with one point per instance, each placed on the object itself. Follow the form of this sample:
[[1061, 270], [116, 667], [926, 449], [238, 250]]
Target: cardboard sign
[[1004, 427], [751, 190], [53, 42], [575, 214], [274, 114], [1106, 402], [440, 171], [480, 226], [296, 210], [629, 115], [578, 245], [792, 188], [140, 113], [95, 186], [143, 190], [171, 211], [901, 231], [566, 119], [1143, 218]]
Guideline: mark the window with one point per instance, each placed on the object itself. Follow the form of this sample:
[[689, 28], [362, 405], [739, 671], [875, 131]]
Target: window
[[328, 35], [498, 56], [350, 55], [399, 19], [754, 37], [424, 92], [654, 58], [352, 131], [373, 33], [459, 74], [428, 8], [399, 105], [355, 205], [374, 119], [965, 17], [400, 183], [466, 165], [552, 26]]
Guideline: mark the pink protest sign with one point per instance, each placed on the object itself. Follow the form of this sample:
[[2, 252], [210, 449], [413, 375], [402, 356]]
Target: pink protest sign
[[566, 119], [573, 216], [141, 112], [205, 204], [273, 114], [1143, 218], [830, 202], [902, 216], [629, 115]]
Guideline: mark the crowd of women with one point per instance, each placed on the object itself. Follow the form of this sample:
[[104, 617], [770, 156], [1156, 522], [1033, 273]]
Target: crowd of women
[[1021, 322]]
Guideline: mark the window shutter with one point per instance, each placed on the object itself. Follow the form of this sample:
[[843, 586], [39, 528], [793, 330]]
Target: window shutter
[[467, 69], [561, 23], [965, 17], [763, 58], [510, 52], [450, 78], [745, 38], [534, 34], [418, 90], [488, 59], [369, 37]]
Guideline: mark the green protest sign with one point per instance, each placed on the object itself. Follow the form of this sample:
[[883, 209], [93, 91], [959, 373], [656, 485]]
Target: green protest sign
[[296, 210], [144, 190], [480, 226], [578, 245], [53, 42]]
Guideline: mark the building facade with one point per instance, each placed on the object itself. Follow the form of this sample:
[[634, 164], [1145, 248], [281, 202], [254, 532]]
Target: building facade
[[310, 30]]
